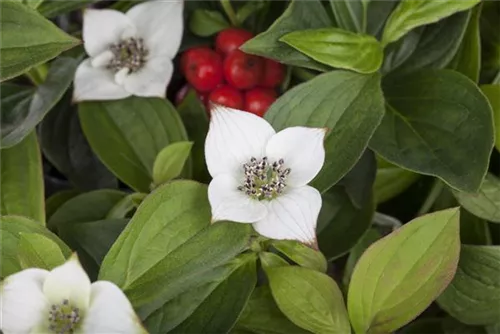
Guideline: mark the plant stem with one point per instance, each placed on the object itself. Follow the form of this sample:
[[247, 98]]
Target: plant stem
[[228, 9], [436, 190]]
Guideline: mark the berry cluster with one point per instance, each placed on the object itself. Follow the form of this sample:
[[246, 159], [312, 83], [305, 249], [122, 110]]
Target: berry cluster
[[230, 77]]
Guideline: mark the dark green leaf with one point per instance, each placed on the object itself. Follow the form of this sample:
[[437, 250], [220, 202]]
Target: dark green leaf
[[53, 8], [128, 134], [338, 48], [38, 251], [391, 181], [299, 15], [53, 203], [19, 119], [473, 296], [21, 180], [437, 123], [349, 14], [28, 39], [350, 105], [126, 206], [207, 22], [486, 202], [170, 161], [301, 254], [492, 92]]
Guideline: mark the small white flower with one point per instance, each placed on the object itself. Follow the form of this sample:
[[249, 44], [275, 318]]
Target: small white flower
[[64, 301], [261, 177], [130, 54]]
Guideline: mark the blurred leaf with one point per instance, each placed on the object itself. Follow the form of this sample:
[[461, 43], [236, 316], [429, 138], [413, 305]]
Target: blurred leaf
[[37, 251], [207, 22], [492, 92], [55, 201], [53, 8]]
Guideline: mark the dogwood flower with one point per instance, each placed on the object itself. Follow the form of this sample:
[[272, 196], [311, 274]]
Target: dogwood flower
[[63, 301], [130, 54], [261, 177]]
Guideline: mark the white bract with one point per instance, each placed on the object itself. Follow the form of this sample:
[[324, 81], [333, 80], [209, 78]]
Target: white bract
[[130, 54], [261, 177], [63, 301]]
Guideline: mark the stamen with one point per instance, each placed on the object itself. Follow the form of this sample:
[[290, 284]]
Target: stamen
[[63, 318], [130, 53]]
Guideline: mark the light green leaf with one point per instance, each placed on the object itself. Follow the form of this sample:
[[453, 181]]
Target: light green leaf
[[473, 296], [128, 134], [28, 39], [400, 275], [262, 316], [38, 251], [391, 181], [20, 118], [410, 14], [21, 180], [338, 48], [34, 3], [438, 123], [53, 8], [11, 228], [299, 15], [301, 254], [349, 104], [310, 299], [270, 260], [486, 202], [492, 92], [170, 161], [207, 22]]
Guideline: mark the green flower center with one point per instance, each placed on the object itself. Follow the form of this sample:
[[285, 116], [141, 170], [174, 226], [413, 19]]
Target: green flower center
[[264, 180], [63, 318], [129, 53]]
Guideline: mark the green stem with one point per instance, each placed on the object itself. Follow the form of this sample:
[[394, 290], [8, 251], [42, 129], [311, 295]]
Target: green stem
[[38, 74], [228, 9], [303, 74], [436, 190]]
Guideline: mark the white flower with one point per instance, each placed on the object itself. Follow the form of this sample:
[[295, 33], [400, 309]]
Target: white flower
[[261, 177], [64, 301], [130, 54]]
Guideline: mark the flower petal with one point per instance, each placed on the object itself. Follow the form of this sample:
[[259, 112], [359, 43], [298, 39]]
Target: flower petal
[[160, 24], [96, 83], [234, 136], [23, 305], [302, 150], [292, 216], [102, 27], [110, 311], [68, 281], [228, 203], [152, 80]]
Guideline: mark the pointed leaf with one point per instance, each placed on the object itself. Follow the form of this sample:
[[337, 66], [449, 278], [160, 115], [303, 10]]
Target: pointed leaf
[[170, 161], [37, 251]]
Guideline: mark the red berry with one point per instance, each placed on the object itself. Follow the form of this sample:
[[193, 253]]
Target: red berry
[[231, 39], [258, 100], [227, 96], [202, 68], [274, 73], [242, 70]]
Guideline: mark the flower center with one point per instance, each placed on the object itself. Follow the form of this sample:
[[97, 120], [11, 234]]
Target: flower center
[[129, 53], [63, 318], [264, 180]]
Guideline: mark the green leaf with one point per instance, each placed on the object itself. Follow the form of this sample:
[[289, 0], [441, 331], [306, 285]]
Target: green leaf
[[437, 123], [377, 14], [486, 202], [299, 15], [400, 275], [126, 206], [170, 161], [11, 228], [28, 39], [301, 254], [410, 14], [207, 22], [473, 296], [38, 251], [467, 60], [349, 104], [64, 145], [350, 15], [262, 316], [310, 299], [53, 8], [270, 260], [391, 180], [128, 134], [338, 48], [446, 325], [53, 203], [34, 3], [492, 92], [21, 180]]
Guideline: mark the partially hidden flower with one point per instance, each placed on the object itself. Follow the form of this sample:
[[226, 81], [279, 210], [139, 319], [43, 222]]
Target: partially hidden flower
[[64, 301], [261, 177], [130, 53]]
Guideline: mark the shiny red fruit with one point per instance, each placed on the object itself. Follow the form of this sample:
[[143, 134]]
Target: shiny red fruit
[[231, 39], [227, 96], [202, 68], [274, 73], [258, 100], [242, 70]]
